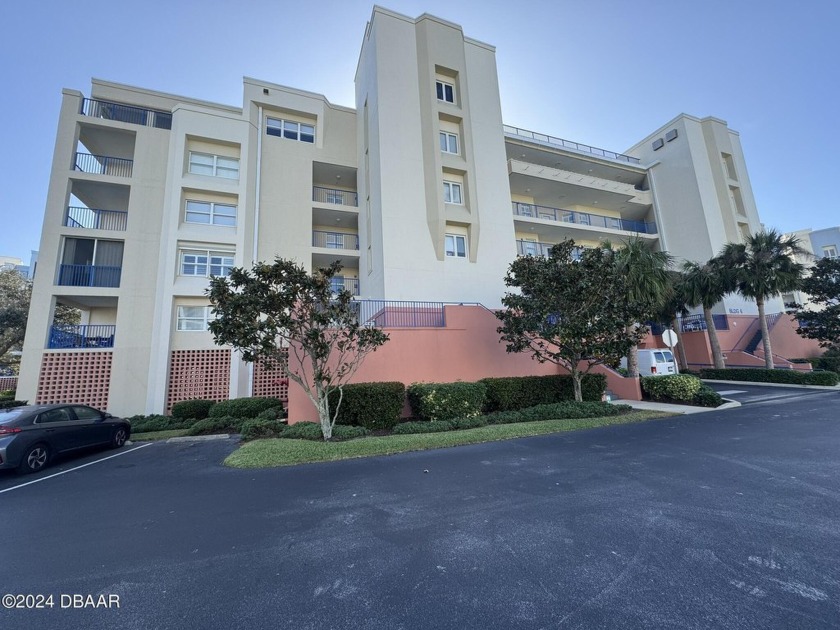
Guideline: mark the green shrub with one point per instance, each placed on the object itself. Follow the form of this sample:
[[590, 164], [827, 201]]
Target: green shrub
[[374, 406], [243, 407], [9, 404], [826, 362], [433, 426], [520, 392], [213, 425], [196, 408], [260, 428], [761, 375], [468, 423], [707, 397], [272, 413], [157, 422], [345, 432], [681, 387], [445, 401], [8, 394], [568, 410], [303, 431]]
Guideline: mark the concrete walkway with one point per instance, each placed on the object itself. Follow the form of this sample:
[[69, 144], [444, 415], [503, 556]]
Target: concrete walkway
[[649, 405]]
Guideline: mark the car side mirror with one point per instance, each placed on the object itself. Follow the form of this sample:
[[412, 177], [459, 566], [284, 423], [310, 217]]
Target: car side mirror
[[108, 415]]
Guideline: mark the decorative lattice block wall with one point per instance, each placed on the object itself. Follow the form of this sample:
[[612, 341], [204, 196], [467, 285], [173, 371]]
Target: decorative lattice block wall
[[198, 374], [75, 377], [8, 382], [272, 382]]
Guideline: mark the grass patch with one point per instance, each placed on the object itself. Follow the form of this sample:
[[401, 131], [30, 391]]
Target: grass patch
[[277, 452], [158, 435]]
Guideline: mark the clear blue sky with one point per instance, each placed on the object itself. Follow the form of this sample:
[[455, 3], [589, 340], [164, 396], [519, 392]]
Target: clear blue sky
[[601, 72]]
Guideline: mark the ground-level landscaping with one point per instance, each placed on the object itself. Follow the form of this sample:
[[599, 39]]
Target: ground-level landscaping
[[285, 452]]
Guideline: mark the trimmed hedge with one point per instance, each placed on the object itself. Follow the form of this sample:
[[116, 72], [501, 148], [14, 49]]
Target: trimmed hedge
[[344, 432], [212, 425], [707, 397], [520, 392], [303, 431], [243, 407], [432, 426], [260, 428], [568, 410], [828, 363], [157, 422], [272, 413], [760, 375], [196, 408], [9, 404], [682, 387], [374, 406], [445, 401], [7, 394]]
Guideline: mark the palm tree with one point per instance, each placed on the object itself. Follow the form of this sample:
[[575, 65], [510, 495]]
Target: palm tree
[[673, 307], [705, 285], [646, 272], [764, 266]]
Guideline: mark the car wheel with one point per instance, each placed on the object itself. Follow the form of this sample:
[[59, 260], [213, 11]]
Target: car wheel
[[120, 436], [34, 459]]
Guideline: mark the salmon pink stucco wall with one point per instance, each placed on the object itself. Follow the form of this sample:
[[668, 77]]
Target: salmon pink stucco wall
[[466, 349]]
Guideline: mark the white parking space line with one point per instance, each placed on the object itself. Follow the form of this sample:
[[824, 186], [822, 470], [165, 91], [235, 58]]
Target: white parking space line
[[64, 472], [733, 391]]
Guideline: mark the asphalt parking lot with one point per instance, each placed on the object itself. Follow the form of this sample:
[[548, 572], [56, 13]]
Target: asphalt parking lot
[[719, 520], [751, 394]]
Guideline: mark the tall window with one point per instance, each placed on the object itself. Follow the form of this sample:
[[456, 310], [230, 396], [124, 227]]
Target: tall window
[[205, 263], [210, 213], [830, 251], [456, 245], [448, 142], [452, 192], [445, 91], [290, 129], [194, 318], [214, 165]]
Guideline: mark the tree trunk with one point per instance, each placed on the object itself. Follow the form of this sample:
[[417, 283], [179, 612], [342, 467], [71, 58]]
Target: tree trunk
[[765, 335], [632, 357], [717, 355], [576, 378], [324, 413], [683, 361]]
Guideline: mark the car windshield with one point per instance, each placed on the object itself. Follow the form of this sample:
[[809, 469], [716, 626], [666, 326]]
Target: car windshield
[[10, 415]]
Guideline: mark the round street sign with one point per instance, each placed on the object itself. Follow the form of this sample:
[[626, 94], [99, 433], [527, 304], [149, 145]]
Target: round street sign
[[669, 337]]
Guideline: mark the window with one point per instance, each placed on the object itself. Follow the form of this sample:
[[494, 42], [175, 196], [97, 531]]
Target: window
[[829, 251], [87, 413], [214, 165], [452, 192], [445, 91], [61, 414], [210, 213], [456, 245], [448, 142], [205, 263], [290, 130], [194, 318]]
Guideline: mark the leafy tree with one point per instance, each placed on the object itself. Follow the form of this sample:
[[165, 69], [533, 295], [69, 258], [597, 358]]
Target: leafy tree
[[705, 285], [646, 279], [568, 311], [262, 310], [764, 266], [823, 285]]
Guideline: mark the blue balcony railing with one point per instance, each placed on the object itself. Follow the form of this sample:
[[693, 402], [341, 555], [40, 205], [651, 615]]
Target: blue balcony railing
[[126, 113], [335, 240], [84, 336], [392, 314], [331, 195], [103, 165], [88, 276], [542, 138], [694, 323], [340, 283], [582, 218], [95, 219], [532, 248]]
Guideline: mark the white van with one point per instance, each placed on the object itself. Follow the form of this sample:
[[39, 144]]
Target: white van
[[654, 362]]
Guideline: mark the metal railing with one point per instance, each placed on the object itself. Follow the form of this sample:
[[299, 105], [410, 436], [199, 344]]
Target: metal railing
[[88, 276], [531, 248], [568, 144], [340, 283], [103, 165], [95, 219], [694, 323], [338, 197], [126, 113], [581, 218], [83, 336], [393, 314], [335, 240]]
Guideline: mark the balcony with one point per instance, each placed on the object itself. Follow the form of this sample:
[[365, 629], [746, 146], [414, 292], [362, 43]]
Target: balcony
[[335, 196], [532, 248], [126, 113], [89, 276], [95, 219], [103, 165], [340, 283], [391, 314], [335, 240], [85, 336], [582, 218], [560, 143]]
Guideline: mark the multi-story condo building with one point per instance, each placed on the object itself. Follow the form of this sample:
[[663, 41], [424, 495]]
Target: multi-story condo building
[[421, 191]]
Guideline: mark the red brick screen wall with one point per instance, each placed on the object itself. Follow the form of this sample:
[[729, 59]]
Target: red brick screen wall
[[271, 382], [75, 377], [8, 382], [198, 374]]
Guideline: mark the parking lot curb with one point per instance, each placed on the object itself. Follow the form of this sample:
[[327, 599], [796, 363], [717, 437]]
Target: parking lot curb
[[199, 438], [834, 388]]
